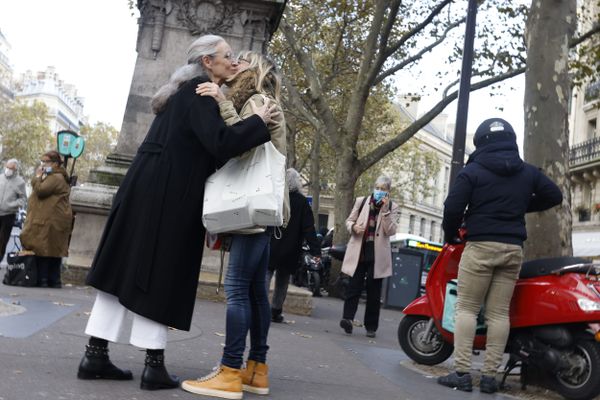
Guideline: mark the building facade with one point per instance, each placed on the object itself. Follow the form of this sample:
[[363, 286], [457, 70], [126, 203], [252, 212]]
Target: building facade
[[6, 72], [422, 215], [65, 106], [584, 162]]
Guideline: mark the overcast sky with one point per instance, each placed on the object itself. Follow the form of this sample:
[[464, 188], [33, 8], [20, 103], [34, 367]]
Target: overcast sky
[[92, 45]]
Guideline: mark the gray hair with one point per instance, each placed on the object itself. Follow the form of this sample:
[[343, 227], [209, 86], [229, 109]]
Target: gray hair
[[292, 178], [384, 180], [14, 160], [203, 46]]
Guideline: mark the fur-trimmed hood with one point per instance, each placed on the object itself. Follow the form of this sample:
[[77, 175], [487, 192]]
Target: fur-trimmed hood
[[241, 88]]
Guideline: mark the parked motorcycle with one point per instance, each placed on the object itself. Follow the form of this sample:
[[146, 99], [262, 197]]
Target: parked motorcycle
[[554, 323], [311, 273]]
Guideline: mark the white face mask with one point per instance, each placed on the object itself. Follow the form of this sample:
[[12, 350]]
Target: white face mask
[[8, 172]]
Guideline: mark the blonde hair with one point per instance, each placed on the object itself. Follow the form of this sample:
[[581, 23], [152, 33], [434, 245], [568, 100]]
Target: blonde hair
[[203, 46], [266, 77]]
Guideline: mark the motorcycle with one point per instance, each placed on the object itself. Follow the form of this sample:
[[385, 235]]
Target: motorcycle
[[311, 273], [554, 323]]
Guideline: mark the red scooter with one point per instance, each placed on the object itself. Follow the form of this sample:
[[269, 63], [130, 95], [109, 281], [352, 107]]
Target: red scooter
[[554, 323]]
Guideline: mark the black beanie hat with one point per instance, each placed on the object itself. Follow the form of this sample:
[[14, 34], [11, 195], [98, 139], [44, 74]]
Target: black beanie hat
[[494, 130]]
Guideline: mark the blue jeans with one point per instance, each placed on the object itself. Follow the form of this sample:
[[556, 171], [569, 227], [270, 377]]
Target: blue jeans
[[248, 306]]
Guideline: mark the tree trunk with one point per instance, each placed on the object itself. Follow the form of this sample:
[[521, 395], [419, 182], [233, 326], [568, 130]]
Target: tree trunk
[[291, 143], [345, 179], [315, 177], [550, 28]]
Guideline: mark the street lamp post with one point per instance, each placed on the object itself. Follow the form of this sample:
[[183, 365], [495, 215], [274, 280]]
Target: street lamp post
[[460, 130]]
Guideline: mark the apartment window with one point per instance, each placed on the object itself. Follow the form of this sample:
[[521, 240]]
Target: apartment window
[[446, 180], [422, 227], [591, 129], [432, 231], [411, 224]]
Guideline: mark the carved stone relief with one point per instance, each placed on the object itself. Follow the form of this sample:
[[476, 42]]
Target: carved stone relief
[[206, 16]]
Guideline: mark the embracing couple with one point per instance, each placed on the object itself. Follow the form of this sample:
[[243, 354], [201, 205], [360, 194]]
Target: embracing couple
[[148, 260]]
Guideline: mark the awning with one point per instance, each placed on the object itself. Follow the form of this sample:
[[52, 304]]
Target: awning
[[586, 244]]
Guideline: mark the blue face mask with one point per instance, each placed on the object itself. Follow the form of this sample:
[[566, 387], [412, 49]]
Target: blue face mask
[[48, 170], [378, 195]]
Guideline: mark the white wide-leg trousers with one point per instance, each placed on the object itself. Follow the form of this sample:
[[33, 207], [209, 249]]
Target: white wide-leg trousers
[[107, 319]]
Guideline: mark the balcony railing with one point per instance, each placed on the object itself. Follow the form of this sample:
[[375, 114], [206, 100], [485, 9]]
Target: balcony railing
[[585, 152], [592, 92]]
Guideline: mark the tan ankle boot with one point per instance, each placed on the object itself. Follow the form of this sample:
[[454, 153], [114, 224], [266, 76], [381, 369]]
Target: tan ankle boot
[[224, 382], [255, 377]]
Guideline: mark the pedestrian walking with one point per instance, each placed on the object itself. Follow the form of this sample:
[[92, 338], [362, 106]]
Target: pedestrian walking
[[148, 260], [248, 307], [491, 195], [368, 257], [12, 198], [49, 219], [286, 251]]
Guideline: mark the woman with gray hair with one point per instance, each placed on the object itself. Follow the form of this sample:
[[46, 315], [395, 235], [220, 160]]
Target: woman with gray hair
[[148, 260], [368, 257]]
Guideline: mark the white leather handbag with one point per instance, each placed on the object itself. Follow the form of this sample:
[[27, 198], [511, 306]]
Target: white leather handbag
[[246, 192]]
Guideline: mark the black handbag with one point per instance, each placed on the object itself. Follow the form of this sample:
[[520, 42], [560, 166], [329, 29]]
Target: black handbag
[[21, 270]]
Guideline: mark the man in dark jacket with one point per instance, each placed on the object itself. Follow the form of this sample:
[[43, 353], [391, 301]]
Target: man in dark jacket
[[285, 252], [497, 189]]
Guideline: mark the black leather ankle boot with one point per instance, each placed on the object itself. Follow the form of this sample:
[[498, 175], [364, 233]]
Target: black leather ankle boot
[[95, 364], [155, 375]]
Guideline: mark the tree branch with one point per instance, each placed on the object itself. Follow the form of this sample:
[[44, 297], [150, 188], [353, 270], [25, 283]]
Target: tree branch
[[575, 41], [383, 42], [414, 31], [385, 148], [316, 92], [420, 54], [296, 101], [356, 108]]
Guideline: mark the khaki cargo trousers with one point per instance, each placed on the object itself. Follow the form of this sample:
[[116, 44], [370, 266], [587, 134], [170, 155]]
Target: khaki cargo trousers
[[487, 275]]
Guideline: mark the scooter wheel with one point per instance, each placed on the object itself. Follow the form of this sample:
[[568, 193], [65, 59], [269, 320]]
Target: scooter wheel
[[430, 350], [580, 381], [315, 284]]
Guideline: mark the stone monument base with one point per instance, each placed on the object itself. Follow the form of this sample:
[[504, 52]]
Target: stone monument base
[[298, 300]]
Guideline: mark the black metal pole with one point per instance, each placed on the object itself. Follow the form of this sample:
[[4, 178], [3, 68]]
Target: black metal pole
[[460, 130]]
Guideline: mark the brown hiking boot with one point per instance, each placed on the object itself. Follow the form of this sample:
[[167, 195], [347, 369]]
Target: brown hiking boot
[[224, 382], [255, 377]]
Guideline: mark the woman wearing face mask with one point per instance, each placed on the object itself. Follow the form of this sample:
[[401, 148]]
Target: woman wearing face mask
[[371, 223], [49, 219]]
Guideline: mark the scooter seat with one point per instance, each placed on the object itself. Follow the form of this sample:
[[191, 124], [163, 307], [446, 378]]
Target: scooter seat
[[545, 266]]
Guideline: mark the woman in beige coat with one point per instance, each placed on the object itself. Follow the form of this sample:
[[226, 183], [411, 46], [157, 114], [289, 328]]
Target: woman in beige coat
[[49, 219], [248, 308], [368, 256]]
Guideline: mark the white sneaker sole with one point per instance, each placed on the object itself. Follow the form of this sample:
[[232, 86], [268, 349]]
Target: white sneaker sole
[[255, 390], [223, 394]]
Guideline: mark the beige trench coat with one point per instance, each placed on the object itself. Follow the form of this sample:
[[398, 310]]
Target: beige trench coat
[[386, 226], [277, 129]]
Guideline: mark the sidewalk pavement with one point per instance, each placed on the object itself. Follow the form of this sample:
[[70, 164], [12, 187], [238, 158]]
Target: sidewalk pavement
[[310, 357]]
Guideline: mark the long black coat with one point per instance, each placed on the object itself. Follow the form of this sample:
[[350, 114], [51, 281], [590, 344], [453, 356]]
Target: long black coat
[[285, 252], [150, 253]]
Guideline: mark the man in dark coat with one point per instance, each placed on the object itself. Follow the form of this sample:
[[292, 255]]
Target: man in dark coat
[[496, 188], [286, 251], [150, 253]]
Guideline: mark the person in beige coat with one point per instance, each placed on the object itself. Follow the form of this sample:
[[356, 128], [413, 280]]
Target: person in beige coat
[[368, 257], [49, 219], [248, 309]]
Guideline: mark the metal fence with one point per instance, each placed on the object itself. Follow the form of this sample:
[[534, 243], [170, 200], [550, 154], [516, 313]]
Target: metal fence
[[585, 152]]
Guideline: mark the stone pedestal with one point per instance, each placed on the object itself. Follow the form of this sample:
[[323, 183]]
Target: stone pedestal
[[166, 28]]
